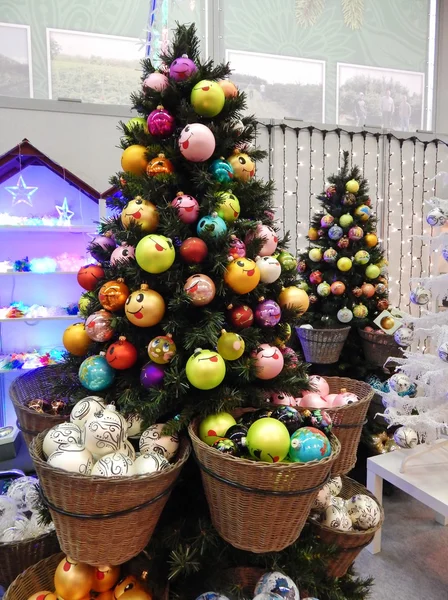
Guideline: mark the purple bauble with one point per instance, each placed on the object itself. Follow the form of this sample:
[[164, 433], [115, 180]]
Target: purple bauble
[[123, 254], [161, 122], [237, 248], [182, 68], [105, 242], [335, 232], [268, 313], [152, 375]]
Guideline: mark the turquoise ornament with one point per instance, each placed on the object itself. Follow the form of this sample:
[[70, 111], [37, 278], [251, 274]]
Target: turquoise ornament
[[309, 444], [96, 374], [212, 225], [221, 171]]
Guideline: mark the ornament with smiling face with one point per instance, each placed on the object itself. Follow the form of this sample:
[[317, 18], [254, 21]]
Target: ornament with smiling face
[[200, 289], [161, 349], [267, 235], [196, 142], [230, 345], [182, 68], [186, 207], [243, 166], [140, 212], [205, 369], [159, 166], [145, 307], [212, 225], [207, 98], [155, 253], [242, 275], [122, 354], [122, 254], [228, 206], [127, 584], [270, 268], [268, 361], [72, 579]]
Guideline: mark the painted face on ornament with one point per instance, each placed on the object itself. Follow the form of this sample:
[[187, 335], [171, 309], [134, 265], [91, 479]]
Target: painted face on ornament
[[237, 248], [161, 349], [270, 268], [182, 68], [282, 399], [143, 307], [187, 208], [228, 206], [141, 212], [242, 275], [126, 584], [122, 254], [105, 578], [213, 225], [243, 166], [196, 142], [269, 361]]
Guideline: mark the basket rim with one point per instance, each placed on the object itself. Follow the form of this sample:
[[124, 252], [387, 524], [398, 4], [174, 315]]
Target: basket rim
[[367, 398], [373, 336], [31, 569], [41, 415], [28, 540]]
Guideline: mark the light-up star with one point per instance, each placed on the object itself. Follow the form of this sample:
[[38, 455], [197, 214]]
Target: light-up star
[[21, 192], [65, 214]]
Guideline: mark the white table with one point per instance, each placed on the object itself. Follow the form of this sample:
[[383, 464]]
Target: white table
[[425, 479]]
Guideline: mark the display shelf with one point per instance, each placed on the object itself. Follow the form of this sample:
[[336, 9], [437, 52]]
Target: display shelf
[[37, 273], [55, 318], [42, 229]]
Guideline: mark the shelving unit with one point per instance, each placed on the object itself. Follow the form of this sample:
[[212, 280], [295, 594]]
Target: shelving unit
[[32, 319], [43, 229], [13, 273]]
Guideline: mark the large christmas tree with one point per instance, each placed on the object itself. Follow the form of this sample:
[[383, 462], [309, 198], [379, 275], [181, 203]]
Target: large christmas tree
[[191, 263]]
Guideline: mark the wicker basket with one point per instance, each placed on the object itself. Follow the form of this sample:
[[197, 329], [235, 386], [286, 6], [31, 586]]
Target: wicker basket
[[248, 500], [30, 386], [348, 420], [15, 557], [104, 520], [322, 346], [349, 543], [378, 348]]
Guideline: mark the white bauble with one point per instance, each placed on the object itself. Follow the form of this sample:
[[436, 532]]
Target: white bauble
[[270, 268], [152, 440], [150, 462], [115, 464], [406, 437], [337, 518], [72, 457], [344, 315], [105, 431], [436, 217], [85, 408], [443, 351], [322, 500], [127, 449], [306, 326], [335, 485], [277, 583], [211, 596], [404, 336], [420, 296], [135, 425], [363, 511], [267, 596], [338, 501], [400, 383], [64, 433]]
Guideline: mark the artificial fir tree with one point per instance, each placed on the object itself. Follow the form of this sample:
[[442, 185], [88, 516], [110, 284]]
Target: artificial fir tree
[[189, 227]]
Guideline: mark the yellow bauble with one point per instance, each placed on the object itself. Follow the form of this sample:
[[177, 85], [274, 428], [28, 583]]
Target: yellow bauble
[[284, 333], [75, 339], [144, 307], [242, 275], [231, 346], [205, 369], [352, 186], [312, 234], [294, 297], [315, 254], [73, 580], [371, 240], [344, 264], [155, 253], [105, 578], [373, 271], [134, 160], [387, 323], [243, 166], [215, 426], [140, 212]]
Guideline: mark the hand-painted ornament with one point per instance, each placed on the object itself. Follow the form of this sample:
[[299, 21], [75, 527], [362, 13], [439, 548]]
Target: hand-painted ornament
[[343, 243], [363, 511], [241, 317], [330, 256], [436, 217], [301, 266], [357, 292], [363, 212], [229, 88], [324, 289], [344, 264], [382, 304], [193, 250], [84, 409], [89, 276], [312, 234], [372, 271], [122, 354], [268, 313], [355, 233], [215, 425], [122, 255], [344, 315], [352, 186], [63, 433], [149, 462], [270, 268], [326, 221], [205, 369], [212, 225], [134, 160], [242, 275], [95, 374], [267, 235], [404, 336], [155, 440], [161, 349], [307, 444], [315, 254], [445, 253], [400, 383], [406, 437], [321, 233], [319, 419], [76, 340], [230, 345], [221, 171], [345, 220], [196, 142], [371, 240], [362, 257], [316, 277], [207, 98], [43, 595], [200, 289], [360, 311], [145, 307], [349, 199], [104, 579], [243, 166], [238, 127], [420, 296], [160, 165], [276, 584], [322, 501], [161, 123], [140, 212], [228, 206], [99, 326], [289, 416], [155, 253], [368, 290], [291, 358], [152, 375], [156, 81], [237, 248], [336, 518], [330, 191], [187, 207], [287, 261], [181, 69], [127, 584], [113, 294], [226, 446], [238, 434], [115, 464], [294, 297], [136, 124], [268, 440], [268, 361], [73, 580], [335, 232]]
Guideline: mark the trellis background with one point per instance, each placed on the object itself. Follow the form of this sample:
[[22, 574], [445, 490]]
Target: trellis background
[[401, 173]]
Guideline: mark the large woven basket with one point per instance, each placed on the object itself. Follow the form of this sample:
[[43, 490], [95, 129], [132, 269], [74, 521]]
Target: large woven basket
[[258, 506], [378, 348], [322, 346], [31, 386], [101, 520], [15, 557], [348, 420], [349, 543]]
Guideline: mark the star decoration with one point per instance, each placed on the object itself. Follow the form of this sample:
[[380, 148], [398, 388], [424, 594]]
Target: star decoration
[[65, 214], [21, 192]]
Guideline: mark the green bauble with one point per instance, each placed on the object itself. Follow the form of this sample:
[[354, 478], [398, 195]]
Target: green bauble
[[228, 207], [205, 369], [207, 98], [268, 440], [230, 345], [84, 302], [137, 122], [287, 260], [215, 426], [373, 271], [345, 220], [362, 257], [155, 253]]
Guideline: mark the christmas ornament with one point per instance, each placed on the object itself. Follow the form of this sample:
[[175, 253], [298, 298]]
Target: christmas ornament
[[187, 207], [135, 424], [193, 250], [344, 315], [161, 123], [214, 426], [155, 440], [344, 398], [382, 304], [315, 277], [371, 240], [73, 580], [230, 345], [343, 243], [152, 375], [330, 191], [312, 234], [319, 419], [326, 221], [122, 255], [229, 88], [269, 267], [445, 253], [268, 313], [237, 248], [221, 170], [207, 98], [161, 349], [160, 165], [360, 311], [99, 326], [301, 266], [105, 242], [330, 256], [336, 518], [238, 434], [282, 399], [289, 416], [212, 225], [293, 297], [357, 292], [75, 339], [144, 307], [284, 332], [291, 357], [345, 220], [352, 186], [335, 232], [436, 217], [127, 448], [355, 233], [155, 253], [205, 369], [200, 289], [404, 336], [43, 595], [228, 206], [324, 289], [372, 271], [335, 485], [63, 433], [420, 296], [363, 212], [268, 361], [344, 264], [362, 257], [122, 354], [267, 235], [105, 431], [321, 233], [368, 290], [315, 254], [268, 440], [243, 166], [363, 511], [84, 409], [89, 276], [323, 499], [405, 437], [197, 142], [113, 294], [241, 317], [337, 288], [156, 81], [74, 458], [349, 199], [140, 212], [150, 462], [287, 261], [134, 160], [135, 125], [226, 446], [128, 584], [307, 444], [105, 578], [276, 584], [242, 275], [238, 127], [311, 400], [96, 374], [115, 464], [400, 383], [84, 302], [181, 69], [313, 298]]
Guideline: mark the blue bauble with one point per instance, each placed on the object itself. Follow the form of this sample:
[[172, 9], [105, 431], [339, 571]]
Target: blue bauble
[[278, 584], [213, 225], [309, 444], [335, 232], [221, 171], [96, 374], [211, 596]]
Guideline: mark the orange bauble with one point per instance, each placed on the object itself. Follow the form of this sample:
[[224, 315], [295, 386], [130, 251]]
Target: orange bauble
[[242, 275], [139, 211], [294, 297], [126, 584], [230, 90], [113, 295], [105, 578], [371, 240], [75, 339], [134, 160], [159, 166], [313, 235], [44, 595], [368, 290], [73, 580]]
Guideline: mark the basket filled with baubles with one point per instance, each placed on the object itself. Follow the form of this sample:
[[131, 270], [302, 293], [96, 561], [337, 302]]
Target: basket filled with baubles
[[347, 402], [322, 346], [257, 466], [346, 515], [378, 346], [24, 537], [96, 487]]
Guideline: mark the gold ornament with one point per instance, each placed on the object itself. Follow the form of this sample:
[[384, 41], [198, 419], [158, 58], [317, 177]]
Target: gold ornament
[[44, 595], [387, 323], [159, 166], [312, 234], [113, 295], [136, 594], [73, 580], [140, 212], [75, 340], [126, 584], [134, 160], [371, 240], [105, 578], [144, 307], [294, 297]]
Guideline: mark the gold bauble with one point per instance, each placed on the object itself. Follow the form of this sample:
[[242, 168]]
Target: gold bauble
[[139, 211], [75, 340], [113, 295], [105, 578], [136, 594], [144, 307], [371, 240], [294, 297], [312, 234], [387, 323], [44, 595], [134, 160], [73, 580], [130, 582]]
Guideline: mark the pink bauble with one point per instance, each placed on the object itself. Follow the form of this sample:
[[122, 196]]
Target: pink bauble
[[269, 237], [311, 400], [284, 399], [156, 81], [319, 383], [293, 360], [187, 208], [344, 398], [182, 68], [200, 288], [98, 326], [122, 254], [268, 361], [196, 142], [369, 329], [237, 248], [330, 399], [161, 123]]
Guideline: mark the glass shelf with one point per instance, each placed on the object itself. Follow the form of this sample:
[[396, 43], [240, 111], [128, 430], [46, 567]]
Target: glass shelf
[[55, 318], [36, 273]]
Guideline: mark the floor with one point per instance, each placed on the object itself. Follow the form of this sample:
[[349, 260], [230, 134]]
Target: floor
[[413, 562]]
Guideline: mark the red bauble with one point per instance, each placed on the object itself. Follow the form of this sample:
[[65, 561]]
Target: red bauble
[[357, 292], [193, 250], [122, 354], [344, 242], [316, 277], [241, 317], [383, 304], [89, 276]]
